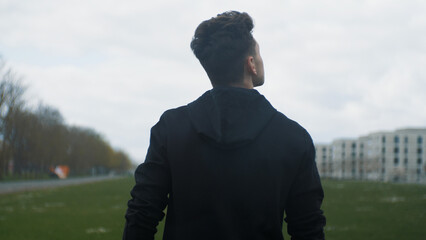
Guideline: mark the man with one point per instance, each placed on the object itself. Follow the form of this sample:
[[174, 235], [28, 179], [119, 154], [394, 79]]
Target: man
[[227, 165]]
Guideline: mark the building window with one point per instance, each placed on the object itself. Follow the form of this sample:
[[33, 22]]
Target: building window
[[419, 150], [383, 150], [405, 150], [383, 139], [395, 161], [396, 139], [405, 161], [405, 139], [383, 160], [343, 145], [419, 161], [396, 150], [419, 140], [383, 170]]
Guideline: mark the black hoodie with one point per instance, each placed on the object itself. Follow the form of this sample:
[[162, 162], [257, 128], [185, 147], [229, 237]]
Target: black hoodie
[[228, 166]]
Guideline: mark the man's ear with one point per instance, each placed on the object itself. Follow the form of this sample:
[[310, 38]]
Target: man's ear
[[251, 67]]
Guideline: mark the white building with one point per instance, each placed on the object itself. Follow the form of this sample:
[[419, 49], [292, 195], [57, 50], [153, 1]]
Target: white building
[[324, 159], [388, 156]]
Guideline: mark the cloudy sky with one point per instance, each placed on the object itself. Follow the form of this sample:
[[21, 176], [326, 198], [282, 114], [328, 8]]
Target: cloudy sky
[[340, 68]]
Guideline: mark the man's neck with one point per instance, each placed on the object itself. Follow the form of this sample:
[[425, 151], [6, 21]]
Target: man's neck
[[247, 83]]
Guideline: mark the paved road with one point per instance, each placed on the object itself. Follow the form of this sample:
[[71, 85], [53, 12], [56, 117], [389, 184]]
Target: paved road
[[20, 186]]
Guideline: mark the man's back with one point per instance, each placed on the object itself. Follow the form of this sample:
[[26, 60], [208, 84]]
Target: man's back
[[230, 165], [227, 165]]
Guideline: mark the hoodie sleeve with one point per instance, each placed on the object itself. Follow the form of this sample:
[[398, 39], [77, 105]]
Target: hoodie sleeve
[[305, 219], [149, 195]]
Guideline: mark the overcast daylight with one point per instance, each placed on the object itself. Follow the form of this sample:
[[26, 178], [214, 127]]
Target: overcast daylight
[[341, 69]]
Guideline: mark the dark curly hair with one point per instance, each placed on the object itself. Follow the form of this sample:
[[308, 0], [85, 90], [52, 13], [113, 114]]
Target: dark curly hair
[[222, 43]]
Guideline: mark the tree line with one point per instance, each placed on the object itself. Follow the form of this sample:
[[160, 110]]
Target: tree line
[[32, 140]]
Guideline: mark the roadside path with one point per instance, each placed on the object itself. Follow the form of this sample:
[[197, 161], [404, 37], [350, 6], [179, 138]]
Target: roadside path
[[20, 186]]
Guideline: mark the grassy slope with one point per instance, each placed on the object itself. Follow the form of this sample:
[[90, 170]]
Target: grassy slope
[[354, 210], [89, 211], [370, 210]]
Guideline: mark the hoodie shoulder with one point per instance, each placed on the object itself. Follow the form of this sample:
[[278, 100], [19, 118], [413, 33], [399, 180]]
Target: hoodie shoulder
[[174, 115], [292, 130]]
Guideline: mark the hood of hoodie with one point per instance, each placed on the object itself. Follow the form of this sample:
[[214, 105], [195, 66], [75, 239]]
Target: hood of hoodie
[[230, 116]]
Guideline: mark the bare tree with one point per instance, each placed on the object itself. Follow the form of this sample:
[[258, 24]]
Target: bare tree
[[11, 100], [36, 139], [53, 137]]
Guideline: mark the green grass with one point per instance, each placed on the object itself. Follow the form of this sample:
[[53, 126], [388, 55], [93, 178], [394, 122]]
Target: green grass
[[89, 211], [371, 210], [354, 210]]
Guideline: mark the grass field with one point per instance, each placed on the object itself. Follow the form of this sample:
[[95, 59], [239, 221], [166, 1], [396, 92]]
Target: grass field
[[354, 210]]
